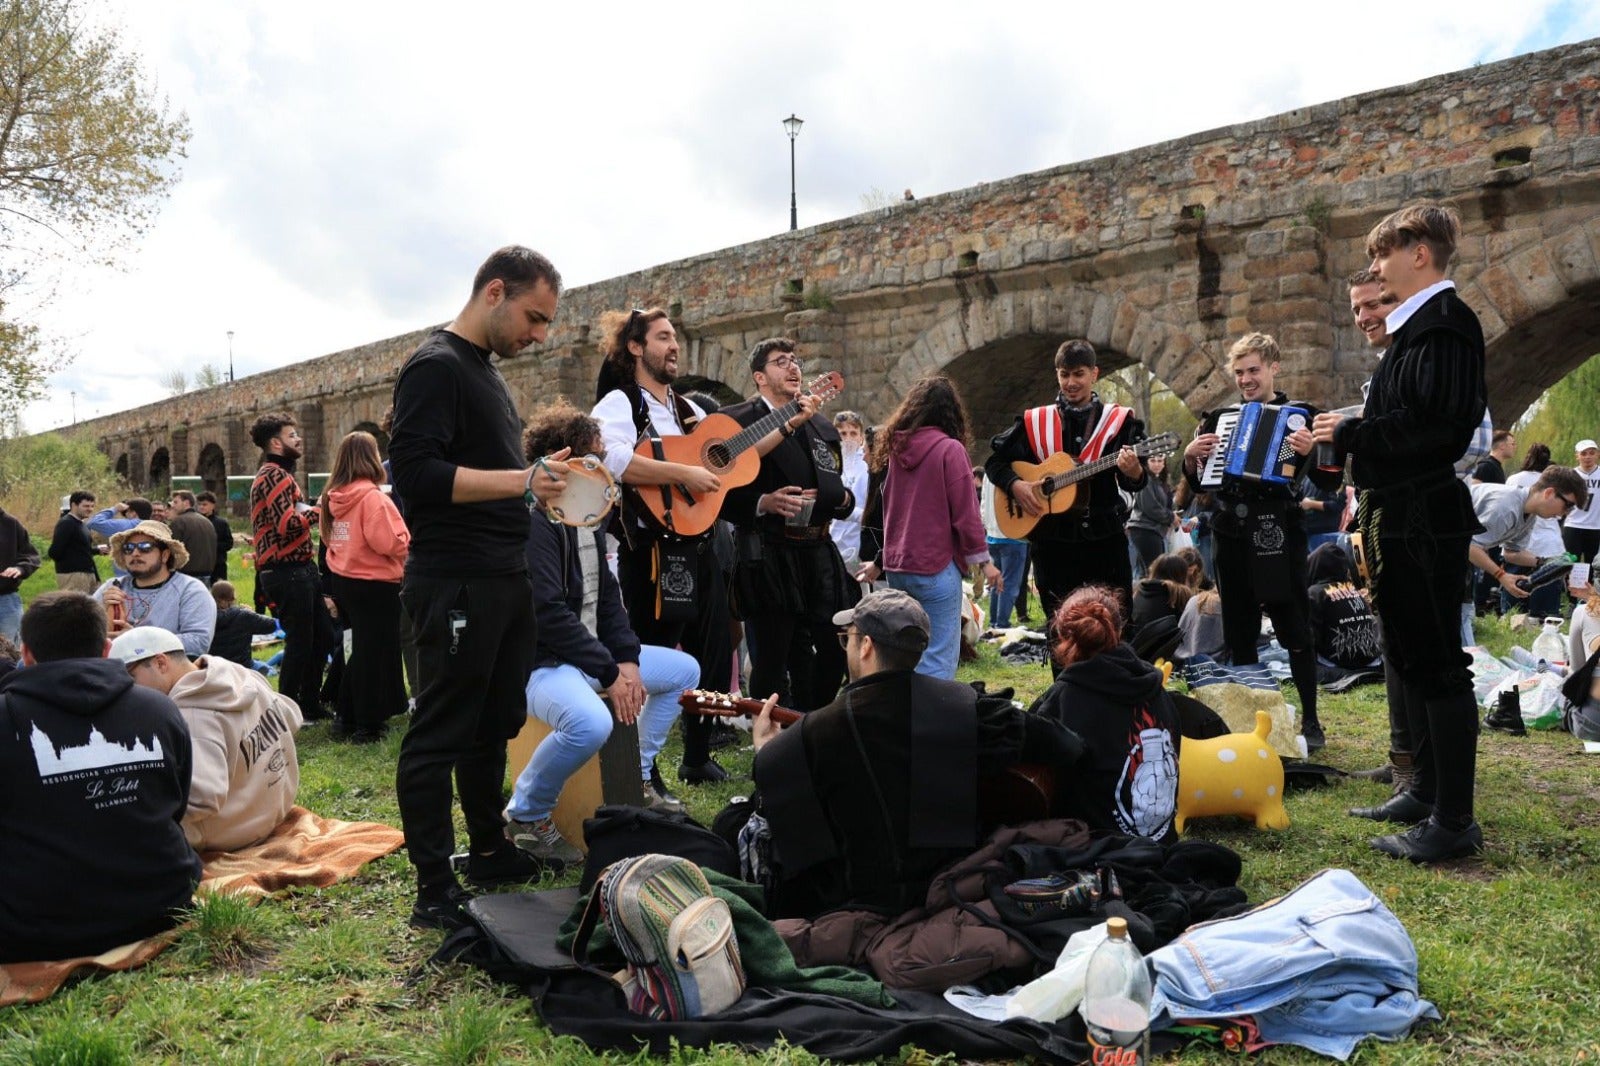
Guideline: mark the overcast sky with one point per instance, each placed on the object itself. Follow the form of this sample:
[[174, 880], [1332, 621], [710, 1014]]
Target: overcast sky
[[352, 163]]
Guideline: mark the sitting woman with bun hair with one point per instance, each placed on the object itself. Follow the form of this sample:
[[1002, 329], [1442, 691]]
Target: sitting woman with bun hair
[[1127, 780]]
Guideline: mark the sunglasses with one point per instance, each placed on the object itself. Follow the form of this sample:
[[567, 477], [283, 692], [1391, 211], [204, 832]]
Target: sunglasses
[[141, 546], [1567, 506]]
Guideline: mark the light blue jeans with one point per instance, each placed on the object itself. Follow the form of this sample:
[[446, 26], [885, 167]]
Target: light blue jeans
[[1009, 556], [568, 700], [1322, 967], [11, 617], [940, 596]]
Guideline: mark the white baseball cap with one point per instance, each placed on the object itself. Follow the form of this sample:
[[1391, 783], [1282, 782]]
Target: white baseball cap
[[142, 642], [1585, 444]]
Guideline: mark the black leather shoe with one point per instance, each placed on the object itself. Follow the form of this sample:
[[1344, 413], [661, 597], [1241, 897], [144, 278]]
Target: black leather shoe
[[1315, 739], [1506, 722], [1432, 842], [706, 773], [1404, 808]]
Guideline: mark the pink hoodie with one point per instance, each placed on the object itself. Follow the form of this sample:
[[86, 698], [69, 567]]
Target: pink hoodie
[[930, 509], [367, 540]]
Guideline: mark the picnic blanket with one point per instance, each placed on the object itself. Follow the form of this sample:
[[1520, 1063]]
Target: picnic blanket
[[34, 982], [305, 849]]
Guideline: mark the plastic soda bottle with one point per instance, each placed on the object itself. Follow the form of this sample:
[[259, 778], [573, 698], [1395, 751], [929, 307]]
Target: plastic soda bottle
[[1116, 1001], [1549, 646]]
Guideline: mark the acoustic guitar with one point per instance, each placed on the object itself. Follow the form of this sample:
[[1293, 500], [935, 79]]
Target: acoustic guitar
[[1060, 476], [1021, 793], [722, 446]]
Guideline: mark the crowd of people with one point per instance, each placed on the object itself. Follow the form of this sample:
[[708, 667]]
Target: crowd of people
[[833, 553]]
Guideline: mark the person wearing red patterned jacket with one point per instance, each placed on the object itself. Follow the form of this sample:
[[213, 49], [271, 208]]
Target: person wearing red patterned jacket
[[282, 522]]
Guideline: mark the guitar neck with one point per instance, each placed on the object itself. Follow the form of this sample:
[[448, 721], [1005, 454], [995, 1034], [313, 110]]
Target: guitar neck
[[721, 705], [756, 431], [1144, 449]]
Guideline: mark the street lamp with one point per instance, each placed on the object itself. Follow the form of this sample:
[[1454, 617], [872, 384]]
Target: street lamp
[[792, 125], [230, 355]]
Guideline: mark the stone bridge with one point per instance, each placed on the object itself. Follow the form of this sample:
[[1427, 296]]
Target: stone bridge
[[1160, 256]]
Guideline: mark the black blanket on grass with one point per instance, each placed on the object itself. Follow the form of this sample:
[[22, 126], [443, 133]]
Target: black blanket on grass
[[516, 942]]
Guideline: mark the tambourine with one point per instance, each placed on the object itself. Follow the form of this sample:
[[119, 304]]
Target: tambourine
[[590, 494]]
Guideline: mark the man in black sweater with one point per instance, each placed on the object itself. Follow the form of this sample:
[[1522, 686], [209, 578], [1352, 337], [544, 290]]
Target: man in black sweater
[[95, 776], [457, 458], [70, 547], [1416, 519], [868, 797]]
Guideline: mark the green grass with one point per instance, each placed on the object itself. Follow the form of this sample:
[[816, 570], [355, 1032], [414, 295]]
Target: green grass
[[1508, 943]]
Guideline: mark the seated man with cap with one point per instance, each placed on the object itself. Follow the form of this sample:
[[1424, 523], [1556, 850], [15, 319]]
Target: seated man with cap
[[868, 797], [152, 592], [246, 771]]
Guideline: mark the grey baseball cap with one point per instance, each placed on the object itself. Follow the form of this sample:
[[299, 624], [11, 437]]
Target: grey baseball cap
[[889, 617]]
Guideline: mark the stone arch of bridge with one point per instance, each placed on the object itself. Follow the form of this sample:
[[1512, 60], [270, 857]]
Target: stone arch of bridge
[[160, 482], [1540, 311], [212, 468], [998, 348], [123, 472], [365, 427]]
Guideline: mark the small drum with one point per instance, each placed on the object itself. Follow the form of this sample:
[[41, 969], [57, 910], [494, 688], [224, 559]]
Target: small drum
[[590, 494]]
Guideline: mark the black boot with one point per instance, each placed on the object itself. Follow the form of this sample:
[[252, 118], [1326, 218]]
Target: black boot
[[1404, 808]]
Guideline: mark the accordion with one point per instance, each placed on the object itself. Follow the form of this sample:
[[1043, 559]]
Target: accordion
[[1253, 445]]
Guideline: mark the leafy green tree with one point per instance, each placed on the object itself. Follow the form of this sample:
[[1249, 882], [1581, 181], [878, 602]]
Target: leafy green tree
[[87, 153], [1568, 412], [35, 472]]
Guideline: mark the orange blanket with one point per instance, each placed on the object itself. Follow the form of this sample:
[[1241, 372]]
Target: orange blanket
[[305, 849]]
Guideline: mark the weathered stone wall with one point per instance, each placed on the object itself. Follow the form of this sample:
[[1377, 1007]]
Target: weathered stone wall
[[1162, 256]]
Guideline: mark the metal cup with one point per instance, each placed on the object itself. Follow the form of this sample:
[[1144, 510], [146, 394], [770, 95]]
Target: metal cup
[[1326, 459]]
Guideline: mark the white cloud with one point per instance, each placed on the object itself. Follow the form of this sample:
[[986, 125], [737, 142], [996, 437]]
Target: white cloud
[[353, 162]]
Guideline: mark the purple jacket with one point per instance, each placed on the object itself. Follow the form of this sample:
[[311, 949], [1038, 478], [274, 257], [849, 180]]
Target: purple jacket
[[930, 509]]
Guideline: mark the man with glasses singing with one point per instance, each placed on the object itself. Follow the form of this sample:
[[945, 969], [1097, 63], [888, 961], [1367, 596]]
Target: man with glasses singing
[[1507, 515], [790, 579], [153, 592]]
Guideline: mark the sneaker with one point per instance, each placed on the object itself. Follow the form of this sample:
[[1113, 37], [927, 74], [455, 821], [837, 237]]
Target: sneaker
[[659, 799], [543, 842], [447, 910], [507, 866]]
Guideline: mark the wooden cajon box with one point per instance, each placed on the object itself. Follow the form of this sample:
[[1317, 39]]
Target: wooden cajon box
[[610, 776]]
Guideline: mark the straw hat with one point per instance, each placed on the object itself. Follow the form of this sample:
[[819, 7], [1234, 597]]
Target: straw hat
[[149, 529]]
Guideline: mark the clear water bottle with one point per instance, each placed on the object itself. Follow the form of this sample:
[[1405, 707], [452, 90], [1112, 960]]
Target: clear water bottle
[[1549, 646], [1116, 1001]]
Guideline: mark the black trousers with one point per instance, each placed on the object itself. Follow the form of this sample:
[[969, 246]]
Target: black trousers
[[794, 645], [475, 650], [706, 636], [372, 689], [295, 592], [1417, 578], [1291, 616], [1060, 566]]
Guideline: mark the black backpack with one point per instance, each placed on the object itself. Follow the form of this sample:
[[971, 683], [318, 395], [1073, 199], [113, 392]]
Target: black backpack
[[622, 832]]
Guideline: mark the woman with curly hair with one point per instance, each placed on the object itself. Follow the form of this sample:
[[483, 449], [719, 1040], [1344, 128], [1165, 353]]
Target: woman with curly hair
[[1127, 780], [932, 530]]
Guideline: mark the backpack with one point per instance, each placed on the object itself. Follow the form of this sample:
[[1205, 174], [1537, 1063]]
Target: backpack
[[618, 831], [678, 940]]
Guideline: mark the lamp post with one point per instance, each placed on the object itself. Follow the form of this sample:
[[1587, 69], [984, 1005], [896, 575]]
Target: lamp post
[[792, 126], [230, 355]]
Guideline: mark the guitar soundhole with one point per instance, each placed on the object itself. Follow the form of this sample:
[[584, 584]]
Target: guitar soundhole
[[717, 456]]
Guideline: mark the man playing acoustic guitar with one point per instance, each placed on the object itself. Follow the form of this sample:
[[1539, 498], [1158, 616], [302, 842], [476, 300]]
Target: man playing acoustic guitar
[[869, 796], [1087, 544], [790, 579]]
